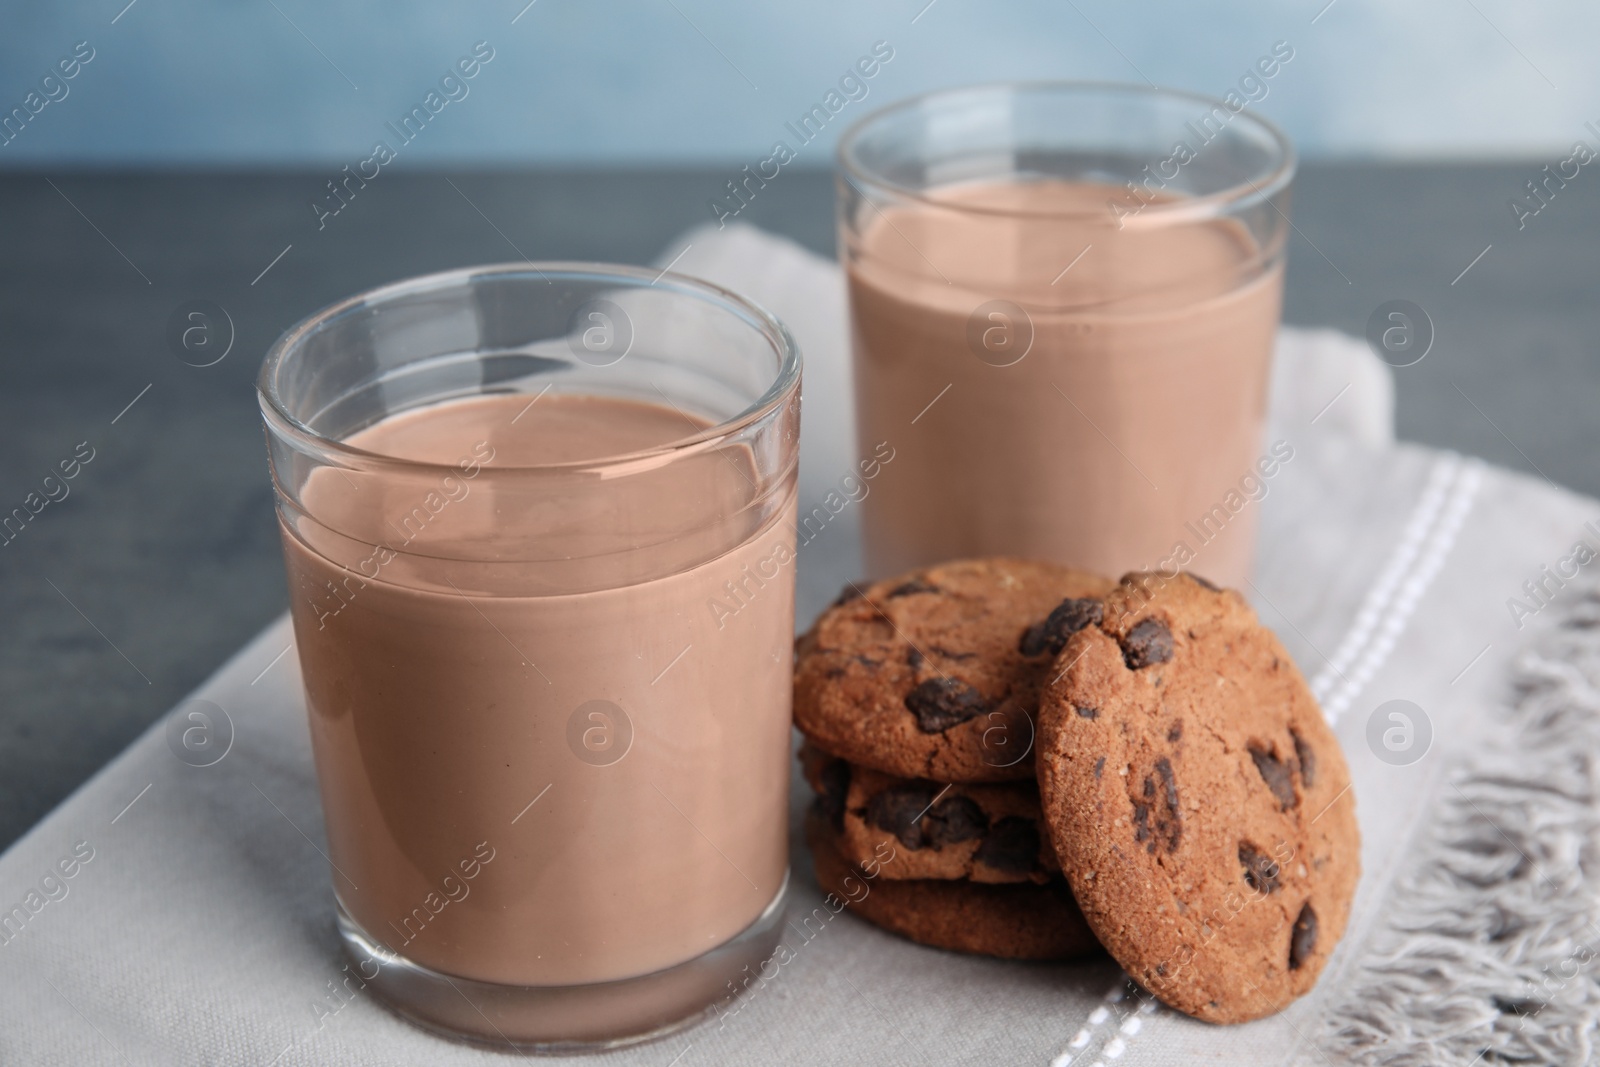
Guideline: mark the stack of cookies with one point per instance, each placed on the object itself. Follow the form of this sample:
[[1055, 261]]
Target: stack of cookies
[[1023, 760], [917, 697]]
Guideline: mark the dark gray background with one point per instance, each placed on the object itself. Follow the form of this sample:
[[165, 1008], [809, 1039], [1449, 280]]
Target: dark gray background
[[165, 558]]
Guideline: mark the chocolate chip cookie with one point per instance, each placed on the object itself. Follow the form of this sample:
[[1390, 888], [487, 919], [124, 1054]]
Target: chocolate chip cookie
[[988, 833], [1198, 801], [1023, 922], [936, 674]]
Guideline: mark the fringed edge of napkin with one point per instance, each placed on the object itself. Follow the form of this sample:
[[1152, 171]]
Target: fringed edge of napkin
[[1488, 953]]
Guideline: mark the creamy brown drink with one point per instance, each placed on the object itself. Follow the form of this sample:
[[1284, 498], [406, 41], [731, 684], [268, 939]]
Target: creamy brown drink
[[566, 767], [1057, 385]]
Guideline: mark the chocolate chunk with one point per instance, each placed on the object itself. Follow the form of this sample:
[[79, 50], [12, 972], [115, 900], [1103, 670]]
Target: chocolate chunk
[[1087, 713], [1099, 766], [1159, 822], [899, 809], [1175, 734], [1307, 760], [1068, 617], [1277, 775], [940, 703], [1303, 942], [1147, 643], [913, 658], [953, 820], [1213, 586], [911, 588], [1012, 846], [848, 593], [939, 650], [835, 776], [1260, 870], [1170, 785]]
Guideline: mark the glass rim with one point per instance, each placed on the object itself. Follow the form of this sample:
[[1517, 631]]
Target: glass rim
[[1273, 179], [785, 383]]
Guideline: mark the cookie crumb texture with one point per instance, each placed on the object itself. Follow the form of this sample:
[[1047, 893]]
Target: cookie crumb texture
[[1198, 800], [936, 674], [1021, 922]]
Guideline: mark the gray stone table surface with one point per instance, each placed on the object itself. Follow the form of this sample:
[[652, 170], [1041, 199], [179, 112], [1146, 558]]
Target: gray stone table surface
[[163, 558]]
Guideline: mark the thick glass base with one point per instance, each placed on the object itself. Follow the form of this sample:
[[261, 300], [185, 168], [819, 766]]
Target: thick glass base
[[575, 1018]]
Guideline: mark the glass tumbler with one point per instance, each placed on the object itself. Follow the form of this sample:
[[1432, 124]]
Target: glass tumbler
[[1063, 301], [538, 522]]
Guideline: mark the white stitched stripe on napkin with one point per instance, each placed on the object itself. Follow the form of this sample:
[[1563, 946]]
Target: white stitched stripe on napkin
[[1429, 535]]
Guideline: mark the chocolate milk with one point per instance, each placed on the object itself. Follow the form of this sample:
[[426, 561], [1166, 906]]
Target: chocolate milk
[[1112, 441], [560, 760]]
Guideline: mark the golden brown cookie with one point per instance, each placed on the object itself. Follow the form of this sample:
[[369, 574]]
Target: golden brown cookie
[[991, 833], [936, 674], [1199, 802], [1021, 922]]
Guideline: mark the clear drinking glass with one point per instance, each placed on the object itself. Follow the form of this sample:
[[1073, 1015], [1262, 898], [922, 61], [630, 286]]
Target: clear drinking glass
[[549, 700], [1063, 299]]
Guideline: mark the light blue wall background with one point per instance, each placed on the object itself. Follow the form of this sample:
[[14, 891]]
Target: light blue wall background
[[608, 81]]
